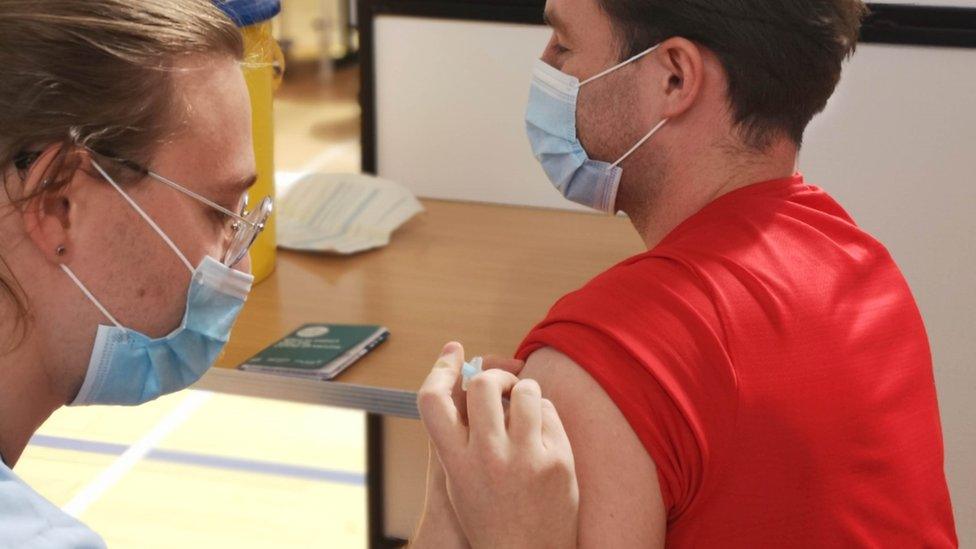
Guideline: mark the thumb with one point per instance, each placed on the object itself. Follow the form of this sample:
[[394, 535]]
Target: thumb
[[436, 404], [452, 354]]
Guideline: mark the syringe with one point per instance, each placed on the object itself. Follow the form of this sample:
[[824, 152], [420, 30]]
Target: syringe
[[469, 370]]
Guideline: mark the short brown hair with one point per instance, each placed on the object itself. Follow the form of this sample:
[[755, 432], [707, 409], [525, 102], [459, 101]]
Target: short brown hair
[[96, 74], [783, 58]]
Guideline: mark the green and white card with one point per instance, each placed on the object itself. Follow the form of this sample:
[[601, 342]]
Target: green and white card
[[319, 351]]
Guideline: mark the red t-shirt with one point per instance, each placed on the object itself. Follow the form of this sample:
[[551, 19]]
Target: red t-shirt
[[770, 357]]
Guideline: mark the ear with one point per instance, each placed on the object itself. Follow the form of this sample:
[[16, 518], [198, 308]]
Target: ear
[[684, 72], [47, 213]]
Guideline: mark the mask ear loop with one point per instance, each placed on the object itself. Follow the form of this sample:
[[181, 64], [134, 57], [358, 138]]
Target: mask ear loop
[[619, 65], [91, 297], [608, 71], [145, 216], [641, 142]]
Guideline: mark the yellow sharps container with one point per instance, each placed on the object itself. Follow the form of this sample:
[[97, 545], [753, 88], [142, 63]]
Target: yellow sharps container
[[263, 70]]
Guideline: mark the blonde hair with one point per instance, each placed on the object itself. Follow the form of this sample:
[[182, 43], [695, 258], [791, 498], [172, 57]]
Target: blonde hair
[[96, 74]]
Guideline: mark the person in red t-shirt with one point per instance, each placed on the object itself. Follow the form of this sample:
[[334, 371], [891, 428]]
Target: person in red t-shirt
[[761, 376]]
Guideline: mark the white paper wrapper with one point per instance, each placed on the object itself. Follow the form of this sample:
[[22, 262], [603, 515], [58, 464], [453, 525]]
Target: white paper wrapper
[[342, 213]]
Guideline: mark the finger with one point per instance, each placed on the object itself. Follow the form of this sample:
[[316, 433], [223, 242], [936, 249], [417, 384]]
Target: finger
[[436, 405], [525, 420], [460, 396], [554, 435], [460, 400], [510, 365], [486, 412]]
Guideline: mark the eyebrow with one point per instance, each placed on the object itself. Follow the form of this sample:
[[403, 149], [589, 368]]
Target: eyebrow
[[554, 20], [236, 188]]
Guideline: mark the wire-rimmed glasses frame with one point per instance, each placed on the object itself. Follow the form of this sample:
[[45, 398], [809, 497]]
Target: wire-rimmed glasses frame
[[246, 227]]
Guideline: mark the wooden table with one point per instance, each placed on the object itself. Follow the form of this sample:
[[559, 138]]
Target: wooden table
[[479, 274]]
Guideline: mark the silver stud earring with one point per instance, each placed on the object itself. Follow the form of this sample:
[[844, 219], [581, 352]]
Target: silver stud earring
[[60, 251]]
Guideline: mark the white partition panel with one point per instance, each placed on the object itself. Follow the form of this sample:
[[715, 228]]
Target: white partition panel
[[450, 109], [935, 3], [896, 147]]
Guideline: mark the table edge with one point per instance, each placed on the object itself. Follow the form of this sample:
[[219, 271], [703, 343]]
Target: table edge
[[374, 400]]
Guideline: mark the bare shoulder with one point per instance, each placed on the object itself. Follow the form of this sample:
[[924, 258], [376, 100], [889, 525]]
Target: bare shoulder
[[620, 497]]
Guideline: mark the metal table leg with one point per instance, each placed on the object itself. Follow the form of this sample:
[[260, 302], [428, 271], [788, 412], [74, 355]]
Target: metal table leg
[[375, 486]]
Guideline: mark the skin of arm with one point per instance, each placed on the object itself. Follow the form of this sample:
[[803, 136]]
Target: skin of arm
[[620, 496]]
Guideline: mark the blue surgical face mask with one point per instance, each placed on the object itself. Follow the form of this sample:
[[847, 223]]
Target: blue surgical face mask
[[551, 124], [129, 368]]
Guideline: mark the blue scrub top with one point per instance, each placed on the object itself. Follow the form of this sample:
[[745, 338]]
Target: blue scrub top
[[28, 521]]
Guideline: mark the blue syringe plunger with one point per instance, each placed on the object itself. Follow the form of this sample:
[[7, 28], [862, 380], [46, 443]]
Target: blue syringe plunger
[[470, 370]]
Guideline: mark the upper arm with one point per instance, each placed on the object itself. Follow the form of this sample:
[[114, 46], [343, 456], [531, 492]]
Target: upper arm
[[620, 497]]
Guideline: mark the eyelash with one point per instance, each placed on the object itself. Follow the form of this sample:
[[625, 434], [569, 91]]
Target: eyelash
[[560, 49]]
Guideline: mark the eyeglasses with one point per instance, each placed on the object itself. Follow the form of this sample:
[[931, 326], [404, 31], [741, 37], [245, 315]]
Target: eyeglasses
[[246, 225]]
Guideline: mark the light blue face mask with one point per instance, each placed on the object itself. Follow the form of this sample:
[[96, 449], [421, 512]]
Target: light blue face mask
[[551, 124], [129, 368]]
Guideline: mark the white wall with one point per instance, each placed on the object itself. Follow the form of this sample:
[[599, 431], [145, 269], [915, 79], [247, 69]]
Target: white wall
[[895, 147], [450, 99]]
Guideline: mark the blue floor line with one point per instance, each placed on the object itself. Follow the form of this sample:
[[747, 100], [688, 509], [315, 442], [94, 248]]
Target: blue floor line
[[89, 446], [260, 467], [204, 460]]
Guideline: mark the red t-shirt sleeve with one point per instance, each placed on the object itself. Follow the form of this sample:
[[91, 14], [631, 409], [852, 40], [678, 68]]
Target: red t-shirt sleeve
[[649, 335]]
